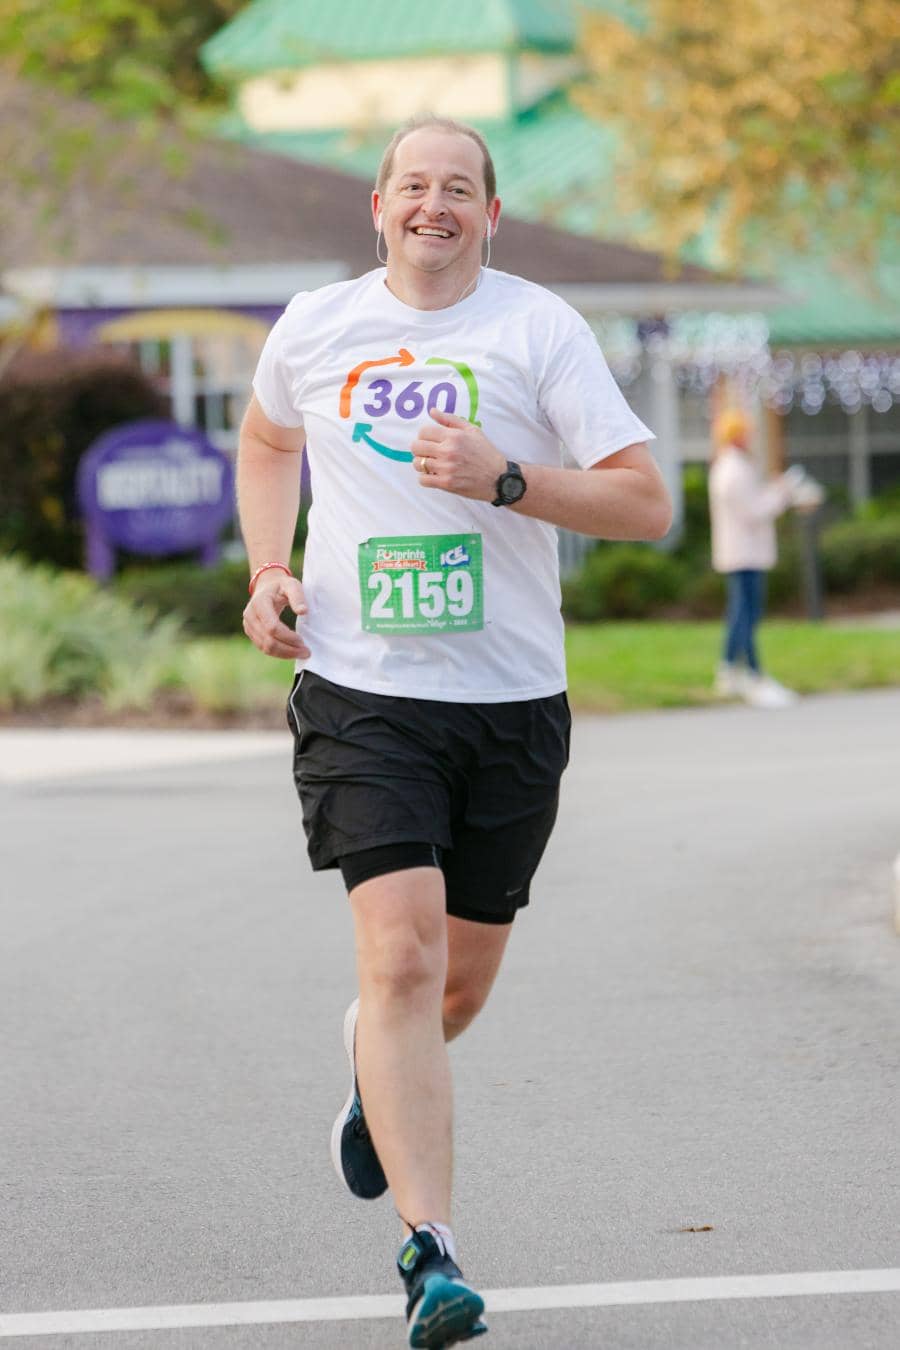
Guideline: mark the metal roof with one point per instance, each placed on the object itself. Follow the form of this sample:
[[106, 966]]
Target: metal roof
[[554, 164], [272, 35]]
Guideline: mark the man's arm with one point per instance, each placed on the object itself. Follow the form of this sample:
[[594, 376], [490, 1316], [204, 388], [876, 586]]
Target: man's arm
[[622, 497], [268, 490]]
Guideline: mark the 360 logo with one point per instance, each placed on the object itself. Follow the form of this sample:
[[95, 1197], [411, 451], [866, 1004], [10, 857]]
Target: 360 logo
[[406, 400]]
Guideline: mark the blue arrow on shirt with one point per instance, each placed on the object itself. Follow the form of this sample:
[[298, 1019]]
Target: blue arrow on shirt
[[361, 433]]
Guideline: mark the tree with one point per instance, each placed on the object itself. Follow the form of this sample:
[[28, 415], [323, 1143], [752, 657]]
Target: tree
[[756, 119], [135, 58], [138, 58]]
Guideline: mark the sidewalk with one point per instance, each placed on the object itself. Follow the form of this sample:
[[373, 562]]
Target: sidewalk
[[31, 754]]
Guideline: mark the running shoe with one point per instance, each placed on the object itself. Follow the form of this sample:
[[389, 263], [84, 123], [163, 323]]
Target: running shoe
[[352, 1150], [441, 1309]]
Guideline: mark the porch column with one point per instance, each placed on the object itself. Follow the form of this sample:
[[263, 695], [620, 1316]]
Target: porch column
[[860, 463]]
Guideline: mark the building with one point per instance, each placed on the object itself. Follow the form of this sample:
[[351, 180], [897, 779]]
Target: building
[[322, 84], [185, 251]]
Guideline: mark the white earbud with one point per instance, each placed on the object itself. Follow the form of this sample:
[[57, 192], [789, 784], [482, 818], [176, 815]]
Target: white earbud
[[490, 229], [378, 221]]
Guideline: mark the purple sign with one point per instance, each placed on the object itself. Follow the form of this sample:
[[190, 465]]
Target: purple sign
[[153, 488]]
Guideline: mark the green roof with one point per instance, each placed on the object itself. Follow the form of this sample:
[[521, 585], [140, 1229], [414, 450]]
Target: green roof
[[271, 35], [835, 310], [554, 164]]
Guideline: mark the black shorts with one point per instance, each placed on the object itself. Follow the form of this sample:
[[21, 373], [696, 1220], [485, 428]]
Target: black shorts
[[478, 780]]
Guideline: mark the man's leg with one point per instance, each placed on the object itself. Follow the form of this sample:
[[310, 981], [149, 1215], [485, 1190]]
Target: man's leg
[[475, 951], [402, 1064]]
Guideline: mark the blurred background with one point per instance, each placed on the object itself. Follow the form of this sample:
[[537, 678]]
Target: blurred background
[[714, 187]]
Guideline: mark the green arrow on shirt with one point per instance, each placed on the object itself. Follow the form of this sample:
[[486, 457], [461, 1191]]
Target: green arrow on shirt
[[468, 378], [361, 433]]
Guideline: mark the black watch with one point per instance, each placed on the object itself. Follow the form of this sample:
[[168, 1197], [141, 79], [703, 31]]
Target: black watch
[[511, 485]]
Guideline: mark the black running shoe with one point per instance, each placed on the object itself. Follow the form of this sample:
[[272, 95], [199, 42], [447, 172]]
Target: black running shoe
[[441, 1308], [352, 1150]]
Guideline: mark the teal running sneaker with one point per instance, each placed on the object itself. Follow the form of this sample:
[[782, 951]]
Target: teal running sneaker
[[441, 1309], [352, 1150]]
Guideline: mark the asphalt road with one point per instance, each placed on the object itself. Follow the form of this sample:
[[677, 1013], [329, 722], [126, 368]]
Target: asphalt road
[[696, 1028]]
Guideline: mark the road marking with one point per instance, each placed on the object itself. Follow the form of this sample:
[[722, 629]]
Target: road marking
[[804, 1283]]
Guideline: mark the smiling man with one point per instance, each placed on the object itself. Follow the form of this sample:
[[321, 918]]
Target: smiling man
[[429, 711]]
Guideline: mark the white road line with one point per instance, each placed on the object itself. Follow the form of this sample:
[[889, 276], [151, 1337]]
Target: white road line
[[803, 1283]]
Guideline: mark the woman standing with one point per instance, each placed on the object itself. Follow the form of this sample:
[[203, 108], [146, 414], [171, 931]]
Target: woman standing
[[743, 510]]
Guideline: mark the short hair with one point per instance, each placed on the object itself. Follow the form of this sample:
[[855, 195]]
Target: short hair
[[427, 121]]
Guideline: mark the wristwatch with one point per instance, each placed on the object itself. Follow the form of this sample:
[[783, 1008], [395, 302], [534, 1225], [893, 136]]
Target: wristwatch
[[511, 485]]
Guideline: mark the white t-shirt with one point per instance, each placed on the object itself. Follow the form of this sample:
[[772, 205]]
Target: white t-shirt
[[357, 368]]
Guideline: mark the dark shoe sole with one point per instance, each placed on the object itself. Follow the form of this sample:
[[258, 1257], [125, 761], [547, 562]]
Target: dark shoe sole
[[447, 1312]]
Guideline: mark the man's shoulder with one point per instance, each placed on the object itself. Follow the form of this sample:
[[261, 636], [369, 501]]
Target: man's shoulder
[[324, 298], [532, 296]]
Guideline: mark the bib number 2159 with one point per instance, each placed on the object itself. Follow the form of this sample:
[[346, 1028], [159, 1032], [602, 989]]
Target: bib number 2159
[[422, 584]]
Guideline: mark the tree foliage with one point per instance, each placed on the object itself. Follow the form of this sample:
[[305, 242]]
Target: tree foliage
[[755, 116], [137, 57]]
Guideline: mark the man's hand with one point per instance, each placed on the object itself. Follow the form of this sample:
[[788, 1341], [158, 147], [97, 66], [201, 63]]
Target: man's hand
[[456, 457], [275, 591]]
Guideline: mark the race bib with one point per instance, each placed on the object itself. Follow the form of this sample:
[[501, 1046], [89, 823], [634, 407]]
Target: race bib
[[430, 583]]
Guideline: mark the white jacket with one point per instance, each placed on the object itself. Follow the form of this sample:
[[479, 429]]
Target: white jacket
[[743, 507]]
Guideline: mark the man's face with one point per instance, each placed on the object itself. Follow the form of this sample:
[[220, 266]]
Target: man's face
[[433, 210]]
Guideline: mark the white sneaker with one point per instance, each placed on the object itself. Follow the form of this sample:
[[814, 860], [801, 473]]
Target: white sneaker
[[761, 691], [729, 681]]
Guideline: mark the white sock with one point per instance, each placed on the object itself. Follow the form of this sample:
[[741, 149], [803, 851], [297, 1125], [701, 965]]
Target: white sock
[[444, 1235]]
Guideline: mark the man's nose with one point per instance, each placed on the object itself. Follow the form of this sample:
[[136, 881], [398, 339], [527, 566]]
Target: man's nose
[[434, 202]]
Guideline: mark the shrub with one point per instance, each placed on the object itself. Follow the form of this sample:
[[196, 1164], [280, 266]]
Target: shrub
[[860, 553], [208, 600], [887, 503], [623, 581], [704, 594], [62, 635], [693, 546], [52, 407]]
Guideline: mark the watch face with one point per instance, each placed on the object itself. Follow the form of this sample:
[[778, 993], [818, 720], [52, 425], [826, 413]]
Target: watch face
[[512, 488]]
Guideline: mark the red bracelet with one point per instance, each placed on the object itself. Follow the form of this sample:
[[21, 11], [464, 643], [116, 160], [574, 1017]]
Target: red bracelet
[[265, 567]]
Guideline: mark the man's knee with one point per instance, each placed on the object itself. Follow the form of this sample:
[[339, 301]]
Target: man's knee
[[402, 965]]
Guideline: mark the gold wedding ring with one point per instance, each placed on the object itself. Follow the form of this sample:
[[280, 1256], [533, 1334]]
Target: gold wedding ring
[[422, 468]]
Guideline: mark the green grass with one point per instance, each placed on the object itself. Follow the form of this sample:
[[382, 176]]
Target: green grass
[[614, 667], [623, 666]]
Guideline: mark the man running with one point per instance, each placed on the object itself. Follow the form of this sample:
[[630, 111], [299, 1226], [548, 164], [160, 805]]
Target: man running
[[429, 711]]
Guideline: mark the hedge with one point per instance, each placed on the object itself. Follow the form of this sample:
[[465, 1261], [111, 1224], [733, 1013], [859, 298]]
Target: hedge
[[857, 554], [622, 581], [208, 601], [635, 581]]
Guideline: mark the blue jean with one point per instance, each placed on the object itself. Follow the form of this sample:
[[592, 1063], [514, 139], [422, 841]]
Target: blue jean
[[746, 602]]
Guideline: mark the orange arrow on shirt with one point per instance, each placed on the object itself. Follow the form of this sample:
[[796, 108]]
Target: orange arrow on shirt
[[404, 358]]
